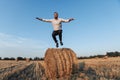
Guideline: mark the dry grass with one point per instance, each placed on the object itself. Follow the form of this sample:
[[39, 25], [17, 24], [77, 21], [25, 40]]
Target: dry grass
[[89, 69], [100, 68], [21, 70]]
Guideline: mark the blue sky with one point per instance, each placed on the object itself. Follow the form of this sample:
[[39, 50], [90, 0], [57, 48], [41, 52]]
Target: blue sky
[[95, 30]]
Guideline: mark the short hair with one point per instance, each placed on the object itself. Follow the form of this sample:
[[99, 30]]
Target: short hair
[[55, 12]]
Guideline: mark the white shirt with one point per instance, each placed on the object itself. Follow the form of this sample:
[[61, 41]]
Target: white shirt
[[57, 23]]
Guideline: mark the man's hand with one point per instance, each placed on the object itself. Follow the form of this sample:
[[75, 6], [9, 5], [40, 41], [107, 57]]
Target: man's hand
[[71, 19], [39, 18]]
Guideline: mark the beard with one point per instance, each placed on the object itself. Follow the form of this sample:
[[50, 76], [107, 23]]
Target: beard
[[56, 17]]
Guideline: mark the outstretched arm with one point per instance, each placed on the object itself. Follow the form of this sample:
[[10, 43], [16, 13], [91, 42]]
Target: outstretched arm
[[39, 18], [67, 20], [45, 20], [71, 19]]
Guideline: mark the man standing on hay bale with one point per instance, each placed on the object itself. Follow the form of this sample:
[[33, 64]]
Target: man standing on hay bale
[[57, 26]]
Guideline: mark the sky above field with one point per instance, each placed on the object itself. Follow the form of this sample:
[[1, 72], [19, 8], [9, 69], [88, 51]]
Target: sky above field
[[95, 30]]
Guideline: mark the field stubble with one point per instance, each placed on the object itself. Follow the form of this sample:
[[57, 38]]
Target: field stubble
[[89, 69]]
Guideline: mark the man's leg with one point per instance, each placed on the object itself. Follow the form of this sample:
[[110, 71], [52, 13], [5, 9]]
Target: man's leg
[[54, 34], [60, 37]]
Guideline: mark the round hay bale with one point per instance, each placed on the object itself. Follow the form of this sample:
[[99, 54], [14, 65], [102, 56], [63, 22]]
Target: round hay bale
[[96, 57], [16, 60], [106, 57], [60, 62], [27, 59]]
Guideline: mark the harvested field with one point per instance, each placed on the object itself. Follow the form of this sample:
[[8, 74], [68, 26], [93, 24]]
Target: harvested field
[[100, 69], [21, 70], [61, 64], [89, 69]]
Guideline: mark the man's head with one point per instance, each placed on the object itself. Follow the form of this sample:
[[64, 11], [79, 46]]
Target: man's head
[[55, 15]]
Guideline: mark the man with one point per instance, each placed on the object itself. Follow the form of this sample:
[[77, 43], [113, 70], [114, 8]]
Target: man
[[57, 26]]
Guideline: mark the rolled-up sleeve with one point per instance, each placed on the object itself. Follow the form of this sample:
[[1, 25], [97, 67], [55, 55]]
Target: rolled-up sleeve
[[65, 20], [47, 20]]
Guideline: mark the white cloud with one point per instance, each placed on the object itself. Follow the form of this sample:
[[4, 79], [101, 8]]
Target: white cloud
[[13, 46]]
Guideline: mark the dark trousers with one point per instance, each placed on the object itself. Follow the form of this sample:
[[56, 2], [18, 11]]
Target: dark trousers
[[55, 33]]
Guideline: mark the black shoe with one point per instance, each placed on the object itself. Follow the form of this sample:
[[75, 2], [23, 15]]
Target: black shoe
[[57, 45], [61, 43]]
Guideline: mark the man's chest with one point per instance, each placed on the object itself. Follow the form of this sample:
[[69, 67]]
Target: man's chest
[[56, 22]]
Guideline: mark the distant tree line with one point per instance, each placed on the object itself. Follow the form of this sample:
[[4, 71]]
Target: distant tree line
[[21, 58], [89, 57], [113, 54], [109, 54]]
